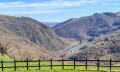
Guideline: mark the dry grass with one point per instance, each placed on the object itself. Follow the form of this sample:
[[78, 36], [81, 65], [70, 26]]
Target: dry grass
[[21, 48]]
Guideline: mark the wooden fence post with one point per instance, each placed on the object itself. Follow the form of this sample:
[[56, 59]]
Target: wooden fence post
[[2, 64], [15, 64], [51, 64], [110, 64], [62, 64], [27, 63], [51, 61], [39, 64], [74, 63], [86, 63], [98, 64]]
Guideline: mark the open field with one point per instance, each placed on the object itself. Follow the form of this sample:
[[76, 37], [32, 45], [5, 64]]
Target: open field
[[48, 69]]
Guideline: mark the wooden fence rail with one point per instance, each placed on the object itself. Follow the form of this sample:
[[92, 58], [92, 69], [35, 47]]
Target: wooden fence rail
[[62, 65]]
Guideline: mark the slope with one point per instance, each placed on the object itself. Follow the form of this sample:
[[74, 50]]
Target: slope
[[64, 23], [34, 31], [104, 47], [90, 27], [118, 13], [20, 48]]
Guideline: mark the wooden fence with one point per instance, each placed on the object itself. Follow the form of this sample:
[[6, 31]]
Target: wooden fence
[[62, 64]]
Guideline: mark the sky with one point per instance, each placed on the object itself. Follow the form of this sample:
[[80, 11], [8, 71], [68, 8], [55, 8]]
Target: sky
[[57, 10]]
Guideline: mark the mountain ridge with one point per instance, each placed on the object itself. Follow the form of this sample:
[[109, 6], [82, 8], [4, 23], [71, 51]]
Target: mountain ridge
[[20, 48], [88, 27], [50, 24], [34, 31], [65, 22], [104, 47]]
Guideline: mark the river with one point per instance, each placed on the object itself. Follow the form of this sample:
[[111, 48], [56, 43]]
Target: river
[[77, 47]]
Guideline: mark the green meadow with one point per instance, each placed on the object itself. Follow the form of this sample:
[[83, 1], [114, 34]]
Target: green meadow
[[48, 69]]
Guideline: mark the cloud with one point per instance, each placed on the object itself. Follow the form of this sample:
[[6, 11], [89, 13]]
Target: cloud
[[111, 2], [52, 6], [52, 3], [57, 3], [31, 12]]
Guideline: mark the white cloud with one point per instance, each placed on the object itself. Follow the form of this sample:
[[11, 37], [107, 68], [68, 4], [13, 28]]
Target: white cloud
[[52, 3], [31, 12], [110, 3], [46, 6], [57, 3], [38, 8], [15, 3]]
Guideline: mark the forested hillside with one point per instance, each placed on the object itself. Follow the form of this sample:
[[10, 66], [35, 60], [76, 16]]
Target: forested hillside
[[34, 31], [104, 47], [20, 48], [85, 29]]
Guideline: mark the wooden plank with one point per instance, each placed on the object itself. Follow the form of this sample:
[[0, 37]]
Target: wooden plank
[[2, 64], [39, 64], [98, 64], [62, 64], [110, 64], [27, 63], [86, 63], [15, 65], [51, 64], [74, 63]]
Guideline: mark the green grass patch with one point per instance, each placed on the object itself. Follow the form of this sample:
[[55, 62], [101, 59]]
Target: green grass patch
[[74, 52], [48, 69], [118, 13], [98, 44], [9, 16]]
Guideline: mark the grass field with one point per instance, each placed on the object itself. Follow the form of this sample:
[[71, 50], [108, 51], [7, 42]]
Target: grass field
[[48, 69]]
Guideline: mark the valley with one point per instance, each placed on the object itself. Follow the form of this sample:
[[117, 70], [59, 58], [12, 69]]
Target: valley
[[59, 36], [86, 37], [98, 37]]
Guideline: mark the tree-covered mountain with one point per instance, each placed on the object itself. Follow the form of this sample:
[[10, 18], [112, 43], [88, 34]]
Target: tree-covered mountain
[[20, 48], [104, 47], [63, 23], [90, 27], [50, 24], [34, 31]]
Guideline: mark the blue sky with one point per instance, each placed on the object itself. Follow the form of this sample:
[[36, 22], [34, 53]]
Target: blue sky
[[57, 10]]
